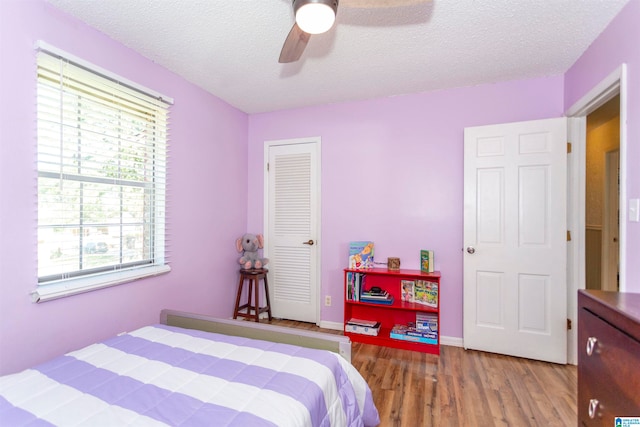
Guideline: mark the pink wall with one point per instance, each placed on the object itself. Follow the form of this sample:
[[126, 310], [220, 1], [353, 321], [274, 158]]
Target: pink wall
[[207, 197], [618, 44], [398, 163]]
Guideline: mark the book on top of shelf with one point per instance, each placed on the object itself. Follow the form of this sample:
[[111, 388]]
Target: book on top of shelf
[[426, 293], [361, 255], [426, 261], [407, 290]]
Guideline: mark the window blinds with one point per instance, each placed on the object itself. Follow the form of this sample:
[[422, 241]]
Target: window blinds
[[102, 160]]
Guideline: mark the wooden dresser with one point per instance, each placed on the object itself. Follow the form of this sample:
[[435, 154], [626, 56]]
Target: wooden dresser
[[608, 357]]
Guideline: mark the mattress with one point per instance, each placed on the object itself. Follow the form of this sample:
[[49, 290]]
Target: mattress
[[162, 375]]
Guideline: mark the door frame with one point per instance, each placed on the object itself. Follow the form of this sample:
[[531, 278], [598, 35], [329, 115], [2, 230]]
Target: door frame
[[610, 217], [615, 83], [265, 226]]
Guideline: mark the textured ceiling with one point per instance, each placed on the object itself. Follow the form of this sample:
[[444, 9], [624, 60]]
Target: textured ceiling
[[231, 47]]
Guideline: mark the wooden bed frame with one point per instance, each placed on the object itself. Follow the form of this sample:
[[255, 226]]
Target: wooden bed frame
[[335, 343]]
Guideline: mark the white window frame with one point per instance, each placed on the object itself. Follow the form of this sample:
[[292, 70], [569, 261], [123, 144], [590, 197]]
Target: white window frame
[[77, 281]]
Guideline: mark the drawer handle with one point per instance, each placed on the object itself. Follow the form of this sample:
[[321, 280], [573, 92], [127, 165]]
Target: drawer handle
[[593, 408], [591, 345]]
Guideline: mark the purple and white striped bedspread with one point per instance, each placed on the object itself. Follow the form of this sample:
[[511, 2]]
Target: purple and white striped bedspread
[[162, 375]]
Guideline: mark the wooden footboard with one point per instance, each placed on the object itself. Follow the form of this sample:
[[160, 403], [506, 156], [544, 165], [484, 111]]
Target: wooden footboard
[[335, 343]]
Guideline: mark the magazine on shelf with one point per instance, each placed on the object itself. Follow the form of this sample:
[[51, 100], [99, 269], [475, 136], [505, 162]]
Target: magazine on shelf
[[426, 293], [407, 290]]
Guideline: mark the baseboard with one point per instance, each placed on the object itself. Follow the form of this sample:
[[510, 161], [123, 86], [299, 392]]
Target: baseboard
[[452, 341], [338, 326]]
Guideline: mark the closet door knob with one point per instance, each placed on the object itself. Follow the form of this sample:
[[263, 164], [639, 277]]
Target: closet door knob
[[471, 250], [309, 242]]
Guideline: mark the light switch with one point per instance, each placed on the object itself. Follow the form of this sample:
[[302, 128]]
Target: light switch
[[634, 210]]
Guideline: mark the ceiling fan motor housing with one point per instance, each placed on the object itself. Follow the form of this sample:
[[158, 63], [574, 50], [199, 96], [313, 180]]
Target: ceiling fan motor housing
[[333, 4]]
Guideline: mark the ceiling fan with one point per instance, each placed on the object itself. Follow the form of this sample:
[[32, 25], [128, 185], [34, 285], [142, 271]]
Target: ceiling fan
[[318, 16]]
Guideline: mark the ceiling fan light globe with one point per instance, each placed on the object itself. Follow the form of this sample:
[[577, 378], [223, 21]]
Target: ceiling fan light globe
[[315, 18]]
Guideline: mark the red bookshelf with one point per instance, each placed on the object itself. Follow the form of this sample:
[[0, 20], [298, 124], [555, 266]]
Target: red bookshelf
[[399, 312]]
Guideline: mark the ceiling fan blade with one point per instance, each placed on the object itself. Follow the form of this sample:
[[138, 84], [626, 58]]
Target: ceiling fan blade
[[294, 45], [380, 3]]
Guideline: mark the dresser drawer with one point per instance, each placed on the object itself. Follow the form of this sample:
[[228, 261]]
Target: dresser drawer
[[610, 375]]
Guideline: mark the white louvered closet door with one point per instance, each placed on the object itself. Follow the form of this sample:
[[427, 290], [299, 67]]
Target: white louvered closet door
[[293, 228]]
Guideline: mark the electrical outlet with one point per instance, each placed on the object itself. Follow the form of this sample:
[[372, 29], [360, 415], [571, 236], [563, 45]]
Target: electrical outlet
[[327, 300]]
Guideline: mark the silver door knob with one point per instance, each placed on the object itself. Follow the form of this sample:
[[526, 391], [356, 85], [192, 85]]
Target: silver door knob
[[309, 242], [593, 408], [591, 345], [471, 249]]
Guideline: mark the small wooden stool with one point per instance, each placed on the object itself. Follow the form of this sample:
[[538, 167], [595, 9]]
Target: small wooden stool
[[253, 277]]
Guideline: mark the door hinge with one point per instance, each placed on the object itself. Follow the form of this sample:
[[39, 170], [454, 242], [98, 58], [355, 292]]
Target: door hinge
[[569, 324], [267, 166], [568, 147], [568, 236]]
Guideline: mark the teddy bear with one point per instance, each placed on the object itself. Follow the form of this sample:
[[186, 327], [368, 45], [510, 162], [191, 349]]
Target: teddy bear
[[250, 243]]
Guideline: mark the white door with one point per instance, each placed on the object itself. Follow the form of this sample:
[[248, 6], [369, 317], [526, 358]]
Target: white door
[[515, 234], [292, 227]]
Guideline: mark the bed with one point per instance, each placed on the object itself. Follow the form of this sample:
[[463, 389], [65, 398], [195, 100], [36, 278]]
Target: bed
[[192, 370]]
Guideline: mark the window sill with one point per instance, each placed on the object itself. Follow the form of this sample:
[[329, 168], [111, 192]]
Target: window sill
[[87, 284]]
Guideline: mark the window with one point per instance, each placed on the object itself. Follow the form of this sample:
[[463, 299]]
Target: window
[[102, 154]]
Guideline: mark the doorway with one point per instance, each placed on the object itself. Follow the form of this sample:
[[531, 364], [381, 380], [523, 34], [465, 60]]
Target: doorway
[[612, 86], [602, 189]]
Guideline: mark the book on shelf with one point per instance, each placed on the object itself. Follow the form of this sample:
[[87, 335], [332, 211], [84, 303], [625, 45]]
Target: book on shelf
[[426, 261], [361, 255], [427, 322], [388, 300], [410, 329], [362, 322], [426, 293], [420, 339], [364, 330], [407, 290], [375, 294], [410, 333], [355, 284]]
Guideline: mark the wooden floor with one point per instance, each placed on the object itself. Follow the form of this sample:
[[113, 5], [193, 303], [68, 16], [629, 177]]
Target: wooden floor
[[463, 387]]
